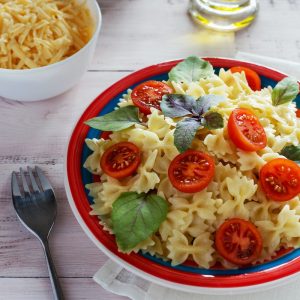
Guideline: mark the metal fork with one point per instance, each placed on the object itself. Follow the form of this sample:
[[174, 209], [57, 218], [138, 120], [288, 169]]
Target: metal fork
[[35, 205]]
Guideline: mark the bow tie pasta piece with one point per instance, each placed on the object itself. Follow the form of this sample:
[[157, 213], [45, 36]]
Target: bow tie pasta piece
[[201, 204], [105, 196], [197, 226], [157, 248], [201, 249], [224, 171], [146, 140], [261, 208], [285, 226], [235, 191], [191, 89], [217, 143], [146, 179], [176, 219], [159, 124], [237, 83]]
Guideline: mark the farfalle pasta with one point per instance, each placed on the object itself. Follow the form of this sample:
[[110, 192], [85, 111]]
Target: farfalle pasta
[[188, 231]]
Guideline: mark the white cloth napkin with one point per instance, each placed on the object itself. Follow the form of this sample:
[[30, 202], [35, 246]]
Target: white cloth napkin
[[118, 280], [288, 67]]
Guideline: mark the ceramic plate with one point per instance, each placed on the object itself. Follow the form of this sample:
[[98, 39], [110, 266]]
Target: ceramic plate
[[184, 277]]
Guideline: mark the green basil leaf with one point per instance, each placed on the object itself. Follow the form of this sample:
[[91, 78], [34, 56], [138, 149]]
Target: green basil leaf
[[291, 152], [116, 120], [205, 103], [212, 120], [191, 69], [185, 132], [285, 91], [135, 217], [175, 105]]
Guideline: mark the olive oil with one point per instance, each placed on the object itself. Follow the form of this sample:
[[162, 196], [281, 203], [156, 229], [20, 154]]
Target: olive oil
[[224, 15]]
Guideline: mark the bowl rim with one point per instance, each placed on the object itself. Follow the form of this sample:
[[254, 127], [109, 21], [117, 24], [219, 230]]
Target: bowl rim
[[242, 283], [66, 60]]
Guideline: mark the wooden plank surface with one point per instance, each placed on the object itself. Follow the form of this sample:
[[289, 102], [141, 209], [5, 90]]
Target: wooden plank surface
[[135, 33]]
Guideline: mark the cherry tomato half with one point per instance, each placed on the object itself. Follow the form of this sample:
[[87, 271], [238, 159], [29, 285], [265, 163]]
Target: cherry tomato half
[[191, 171], [245, 130], [298, 113], [238, 241], [120, 160], [149, 94], [280, 179], [252, 77]]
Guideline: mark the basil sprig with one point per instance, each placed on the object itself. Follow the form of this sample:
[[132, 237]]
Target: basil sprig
[[135, 217], [291, 152], [198, 116], [285, 91], [191, 69], [116, 120]]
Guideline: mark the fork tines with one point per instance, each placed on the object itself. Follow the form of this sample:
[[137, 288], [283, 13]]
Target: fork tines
[[38, 183]]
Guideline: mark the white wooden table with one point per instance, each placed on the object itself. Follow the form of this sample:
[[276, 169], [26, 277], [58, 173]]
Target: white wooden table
[[135, 33]]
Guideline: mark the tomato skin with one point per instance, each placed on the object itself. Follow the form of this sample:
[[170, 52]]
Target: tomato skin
[[280, 179], [105, 135], [191, 171], [252, 77], [149, 94], [245, 130], [238, 241], [298, 113], [120, 160]]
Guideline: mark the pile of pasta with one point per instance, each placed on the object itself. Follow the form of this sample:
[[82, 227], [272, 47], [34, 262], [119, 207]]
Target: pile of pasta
[[36, 33], [192, 219]]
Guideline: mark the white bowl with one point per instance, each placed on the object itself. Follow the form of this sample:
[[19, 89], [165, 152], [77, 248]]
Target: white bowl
[[49, 81]]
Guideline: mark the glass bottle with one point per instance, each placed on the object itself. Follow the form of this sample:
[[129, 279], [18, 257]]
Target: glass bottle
[[224, 15]]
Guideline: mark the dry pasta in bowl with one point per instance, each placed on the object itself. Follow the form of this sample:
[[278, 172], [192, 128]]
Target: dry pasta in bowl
[[200, 167], [36, 33]]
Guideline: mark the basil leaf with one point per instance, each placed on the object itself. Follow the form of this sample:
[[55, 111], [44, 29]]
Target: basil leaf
[[212, 120], [135, 217], [185, 132], [291, 152], [116, 120], [205, 103], [175, 105], [191, 69], [285, 91]]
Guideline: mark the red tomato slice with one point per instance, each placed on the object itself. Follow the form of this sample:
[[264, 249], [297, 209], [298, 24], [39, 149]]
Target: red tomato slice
[[191, 171], [149, 94], [252, 77], [298, 113], [238, 241], [120, 160], [245, 130], [280, 179]]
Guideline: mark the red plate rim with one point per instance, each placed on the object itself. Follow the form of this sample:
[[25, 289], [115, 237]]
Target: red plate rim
[[73, 174]]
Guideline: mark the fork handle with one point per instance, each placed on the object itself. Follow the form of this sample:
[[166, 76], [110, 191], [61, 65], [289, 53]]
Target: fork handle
[[57, 290]]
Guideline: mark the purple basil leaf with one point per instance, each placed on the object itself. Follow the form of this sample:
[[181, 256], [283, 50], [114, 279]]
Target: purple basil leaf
[[185, 132], [176, 105], [212, 120]]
